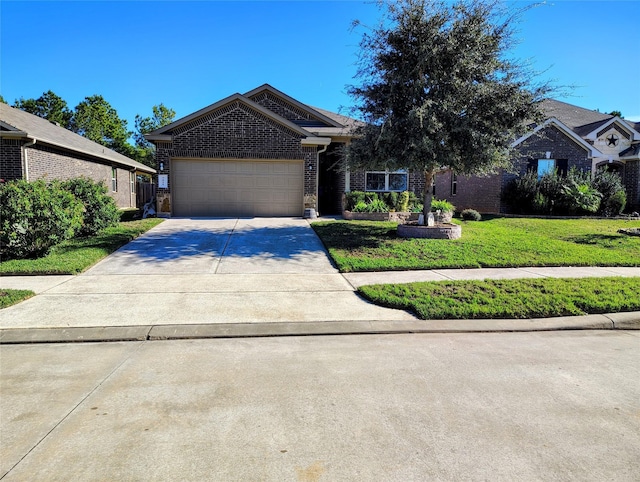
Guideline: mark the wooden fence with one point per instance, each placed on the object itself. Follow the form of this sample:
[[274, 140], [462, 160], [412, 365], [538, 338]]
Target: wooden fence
[[145, 191]]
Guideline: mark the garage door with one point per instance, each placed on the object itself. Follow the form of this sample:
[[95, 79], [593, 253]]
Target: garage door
[[237, 188]]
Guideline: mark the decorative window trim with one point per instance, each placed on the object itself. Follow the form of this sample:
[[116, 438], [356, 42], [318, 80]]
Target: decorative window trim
[[387, 186]]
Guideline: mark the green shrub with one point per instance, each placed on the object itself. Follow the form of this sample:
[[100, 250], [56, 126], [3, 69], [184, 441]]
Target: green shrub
[[359, 207], [35, 216], [470, 215], [352, 198], [377, 206], [614, 196], [442, 206], [100, 210], [403, 201], [581, 197], [520, 193]]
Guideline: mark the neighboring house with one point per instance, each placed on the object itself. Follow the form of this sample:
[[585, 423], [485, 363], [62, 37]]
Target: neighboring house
[[34, 148], [264, 153], [570, 137]]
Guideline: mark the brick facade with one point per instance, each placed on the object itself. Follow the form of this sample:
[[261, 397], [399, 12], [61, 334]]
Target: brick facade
[[49, 163], [481, 193], [632, 183], [236, 131], [11, 159]]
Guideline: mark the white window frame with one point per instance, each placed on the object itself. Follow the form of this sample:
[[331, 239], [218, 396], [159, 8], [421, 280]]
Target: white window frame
[[386, 180], [114, 179], [132, 181]]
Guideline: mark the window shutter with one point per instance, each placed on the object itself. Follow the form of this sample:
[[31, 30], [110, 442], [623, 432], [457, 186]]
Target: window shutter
[[562, 166], [533, 165]]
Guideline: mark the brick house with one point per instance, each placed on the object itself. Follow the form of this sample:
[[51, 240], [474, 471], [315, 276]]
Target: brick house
[[34, 148], [570, 137], [264, 153]]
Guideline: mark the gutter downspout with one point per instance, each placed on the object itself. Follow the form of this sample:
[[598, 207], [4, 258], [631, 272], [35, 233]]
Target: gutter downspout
[[25, 160]]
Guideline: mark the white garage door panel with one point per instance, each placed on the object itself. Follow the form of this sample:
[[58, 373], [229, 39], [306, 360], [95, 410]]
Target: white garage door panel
[[237, 188]]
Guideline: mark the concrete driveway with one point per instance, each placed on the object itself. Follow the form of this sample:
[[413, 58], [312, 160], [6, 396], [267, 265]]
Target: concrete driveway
[[205, 271]]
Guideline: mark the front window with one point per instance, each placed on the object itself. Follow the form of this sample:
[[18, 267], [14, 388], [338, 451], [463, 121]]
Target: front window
[[114, 179], [546, 166], [132, 181], [454, 184], [387, 181]]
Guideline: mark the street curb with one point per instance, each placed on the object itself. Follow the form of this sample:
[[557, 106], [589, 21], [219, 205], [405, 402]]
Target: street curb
[[611, 321]]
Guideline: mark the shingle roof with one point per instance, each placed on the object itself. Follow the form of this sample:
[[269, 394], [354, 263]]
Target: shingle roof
[[571, 115], [48, 133]]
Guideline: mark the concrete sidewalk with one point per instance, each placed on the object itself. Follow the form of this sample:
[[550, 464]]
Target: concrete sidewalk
[[190, 278], [229, 305]]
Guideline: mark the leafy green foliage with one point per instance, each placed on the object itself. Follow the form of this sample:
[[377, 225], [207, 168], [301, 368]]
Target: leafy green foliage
[[11, 297], [100, 210], [97, 120], [383, 202], [614, 196], [162, 116], [35, 216], [523, 298], [442, 206], [436, 86], [76, 255], [470, 215], [48, 106], [575, 193], [494, 242]]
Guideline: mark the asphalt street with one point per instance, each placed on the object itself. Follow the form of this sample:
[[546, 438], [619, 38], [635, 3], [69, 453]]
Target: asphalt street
[[482, 406]]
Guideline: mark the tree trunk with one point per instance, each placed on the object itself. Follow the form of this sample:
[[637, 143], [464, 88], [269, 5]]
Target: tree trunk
[[428, 193]]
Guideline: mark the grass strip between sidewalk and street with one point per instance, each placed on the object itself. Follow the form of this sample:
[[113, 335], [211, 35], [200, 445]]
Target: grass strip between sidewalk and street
[[494, 242], [76, 255], [11, 297], [520, 298]]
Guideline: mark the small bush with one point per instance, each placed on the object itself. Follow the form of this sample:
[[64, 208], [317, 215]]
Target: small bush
[[377, 206], [471, 215], [442, 206], [359, 207], [35, 216], [100, 210], [614, 196], [403, 201]]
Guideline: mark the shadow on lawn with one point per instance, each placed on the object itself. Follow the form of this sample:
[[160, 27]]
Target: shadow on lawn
[[354, 235], [596, 239]]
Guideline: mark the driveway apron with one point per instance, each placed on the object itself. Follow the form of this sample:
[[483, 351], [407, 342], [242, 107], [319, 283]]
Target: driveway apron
[[205, 271]]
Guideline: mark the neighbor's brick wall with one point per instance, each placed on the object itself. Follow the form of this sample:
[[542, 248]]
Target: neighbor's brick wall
[[11, 159], [473, 192], [632, 183], [236, 131], [49, 163]]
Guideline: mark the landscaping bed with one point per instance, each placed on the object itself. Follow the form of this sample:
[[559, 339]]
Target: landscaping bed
[[500, 299], [493, 242]]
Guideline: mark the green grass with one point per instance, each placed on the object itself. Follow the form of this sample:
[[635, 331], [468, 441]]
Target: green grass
[[523, 298], [76, 255], [494, 242], [11, 297]]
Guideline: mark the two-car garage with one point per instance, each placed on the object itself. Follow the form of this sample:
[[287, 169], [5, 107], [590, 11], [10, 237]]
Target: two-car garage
[[246, 188]]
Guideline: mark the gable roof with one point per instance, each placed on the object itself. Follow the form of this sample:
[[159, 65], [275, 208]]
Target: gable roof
[[553, 122], [571, 115], [165, 133], [309, 110], [593, 134], [16, 123], [320, 123]]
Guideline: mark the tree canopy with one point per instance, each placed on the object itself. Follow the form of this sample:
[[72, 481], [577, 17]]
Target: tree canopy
[[49, 106], [162, 116], [438, 91]]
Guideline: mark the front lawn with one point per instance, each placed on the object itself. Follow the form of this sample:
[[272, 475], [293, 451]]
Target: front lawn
[[76, 255], [524, 298], [494, 242], [11, 297]]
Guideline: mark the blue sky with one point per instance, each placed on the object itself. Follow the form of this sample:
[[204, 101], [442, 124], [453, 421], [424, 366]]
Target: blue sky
[[188, 55]]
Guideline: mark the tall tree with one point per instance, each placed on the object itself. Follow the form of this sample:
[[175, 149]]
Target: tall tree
[[162, 116], [97, 120], [437, 90], [2, 99], [49, 106]]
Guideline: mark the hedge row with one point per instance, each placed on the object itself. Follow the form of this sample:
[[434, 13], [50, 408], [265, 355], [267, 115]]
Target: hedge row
[[35, 216]]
